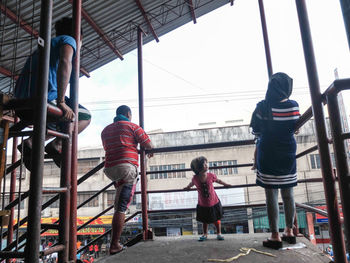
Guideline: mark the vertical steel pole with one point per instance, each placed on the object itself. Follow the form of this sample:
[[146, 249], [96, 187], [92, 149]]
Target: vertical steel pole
[[64, 209], [266, 38], [12, 190], [74, 92], [36, 176], [142, 152], [322, 140], [345, 7], [340, 155]]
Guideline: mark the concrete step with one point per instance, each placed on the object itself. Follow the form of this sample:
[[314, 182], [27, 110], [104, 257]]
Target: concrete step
[[188, 249]]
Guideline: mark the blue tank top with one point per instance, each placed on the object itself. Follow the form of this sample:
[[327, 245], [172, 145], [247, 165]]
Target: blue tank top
[[26, 83]]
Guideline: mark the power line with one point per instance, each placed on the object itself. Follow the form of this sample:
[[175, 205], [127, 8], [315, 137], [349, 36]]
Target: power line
[[198, 96], [186, 103]]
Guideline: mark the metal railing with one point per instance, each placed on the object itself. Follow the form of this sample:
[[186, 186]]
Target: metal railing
[[328, 176]]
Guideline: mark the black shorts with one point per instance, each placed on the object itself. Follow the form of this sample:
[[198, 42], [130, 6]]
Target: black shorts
[[28, 115], [209, 214]]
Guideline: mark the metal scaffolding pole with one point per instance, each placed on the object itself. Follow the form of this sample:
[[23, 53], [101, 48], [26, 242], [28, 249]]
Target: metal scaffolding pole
[[322, 140], [266, 38], [74, 92], [64, 209], [341, 158], [12, 191], [36, 176], [345, 7], [142, 151]]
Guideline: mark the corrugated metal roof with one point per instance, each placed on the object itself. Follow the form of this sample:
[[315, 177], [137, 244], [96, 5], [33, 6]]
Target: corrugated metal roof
[[118, 21]]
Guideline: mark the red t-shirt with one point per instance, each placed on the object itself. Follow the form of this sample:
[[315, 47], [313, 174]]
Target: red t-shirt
[[120, 141], [213, 198]]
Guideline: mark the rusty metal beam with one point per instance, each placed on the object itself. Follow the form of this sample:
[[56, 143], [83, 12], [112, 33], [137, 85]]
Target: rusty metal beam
[[139, 5], [190, 5], [7, 73], [26, 27], [335, 227], [100, 32], [84, 72], [17, 20]]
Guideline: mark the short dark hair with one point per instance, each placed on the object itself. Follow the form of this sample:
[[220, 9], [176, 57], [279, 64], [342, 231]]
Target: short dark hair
[[124, 110], [64, 26], [197, 164]]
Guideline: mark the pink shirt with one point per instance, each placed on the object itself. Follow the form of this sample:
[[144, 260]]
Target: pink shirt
[[213, 198]]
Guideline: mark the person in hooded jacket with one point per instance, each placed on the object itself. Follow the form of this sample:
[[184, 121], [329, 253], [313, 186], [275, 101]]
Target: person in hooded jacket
[[274, 124]]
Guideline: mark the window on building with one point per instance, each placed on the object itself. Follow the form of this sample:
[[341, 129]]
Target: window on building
[[315, 161], [166, 175], [224, 171], [110, 198], [55, 204], [82, 197], [333, 160]]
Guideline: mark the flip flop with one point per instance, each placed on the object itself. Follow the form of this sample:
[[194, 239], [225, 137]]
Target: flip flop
[[289, 239], [202, 238], [54, 154], [274, 244], [26, 155], [122, 249]]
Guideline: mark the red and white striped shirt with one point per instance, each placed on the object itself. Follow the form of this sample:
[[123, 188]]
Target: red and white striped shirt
[[120, 141]]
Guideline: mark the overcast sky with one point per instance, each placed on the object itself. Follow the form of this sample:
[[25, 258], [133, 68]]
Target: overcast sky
[[215, 70]]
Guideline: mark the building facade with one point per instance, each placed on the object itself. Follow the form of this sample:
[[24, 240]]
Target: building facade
[[236, 221]]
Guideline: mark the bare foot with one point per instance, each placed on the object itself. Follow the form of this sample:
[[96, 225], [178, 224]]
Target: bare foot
[[275, 237], [116, 249], [288, 232]]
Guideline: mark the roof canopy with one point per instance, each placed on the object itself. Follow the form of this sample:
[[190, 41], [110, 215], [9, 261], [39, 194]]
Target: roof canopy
[[109, 27]]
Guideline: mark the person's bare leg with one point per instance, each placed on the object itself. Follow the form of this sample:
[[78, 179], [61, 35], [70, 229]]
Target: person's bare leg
[[205, 229], [57, 143], [82, 124], [218, 227], [117, 229], [28, 142]]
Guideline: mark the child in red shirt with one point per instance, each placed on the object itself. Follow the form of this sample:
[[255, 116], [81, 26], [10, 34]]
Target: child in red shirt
[[209, 208]]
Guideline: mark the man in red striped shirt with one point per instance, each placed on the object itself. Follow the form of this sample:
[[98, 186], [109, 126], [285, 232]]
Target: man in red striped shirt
[[120, 140]]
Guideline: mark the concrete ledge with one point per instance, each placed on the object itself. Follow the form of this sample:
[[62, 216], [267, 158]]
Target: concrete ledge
[[188, 249]]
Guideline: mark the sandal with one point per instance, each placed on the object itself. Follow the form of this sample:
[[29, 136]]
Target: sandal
[[274, 244], [116, 252], [289, 239], [53, 153], [202, 238], [220, 237]]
